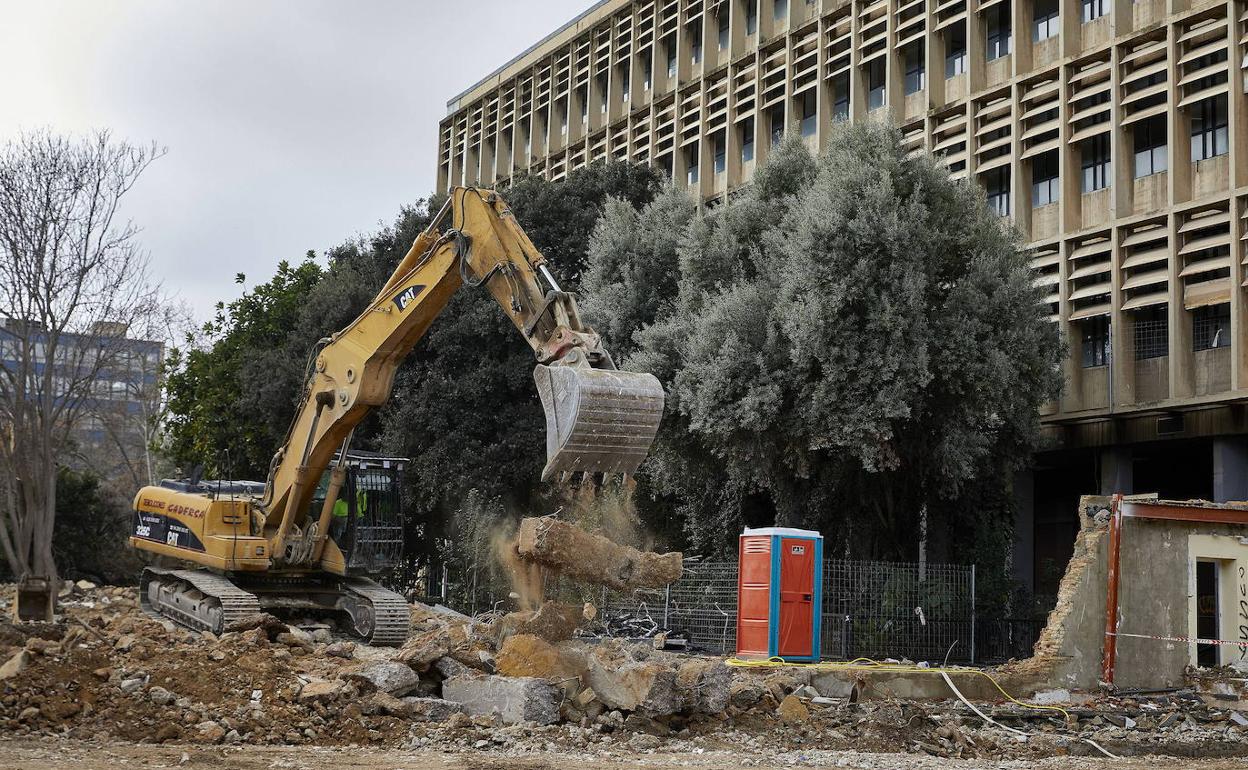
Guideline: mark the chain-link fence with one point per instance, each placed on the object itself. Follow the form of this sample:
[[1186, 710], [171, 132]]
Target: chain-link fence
[[870, 609]]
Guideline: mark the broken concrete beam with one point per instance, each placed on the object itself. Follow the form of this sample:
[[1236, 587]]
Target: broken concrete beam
[[591, 558], [513, 699], [553, 621], [624, 682]]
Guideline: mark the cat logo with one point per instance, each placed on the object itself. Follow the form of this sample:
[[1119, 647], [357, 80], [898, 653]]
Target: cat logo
[[405, 297]]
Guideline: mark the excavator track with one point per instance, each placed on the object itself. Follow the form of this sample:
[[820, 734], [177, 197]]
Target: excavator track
[[392, 617], [205, 601], [197, 599]]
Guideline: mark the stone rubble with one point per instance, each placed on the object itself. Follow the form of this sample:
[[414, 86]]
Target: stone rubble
[[109, 672]]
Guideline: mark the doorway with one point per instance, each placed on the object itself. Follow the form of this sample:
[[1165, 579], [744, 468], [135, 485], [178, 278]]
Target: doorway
[[1207, 612]]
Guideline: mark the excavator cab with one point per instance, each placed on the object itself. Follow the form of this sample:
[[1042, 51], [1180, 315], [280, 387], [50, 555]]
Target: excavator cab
[[370, 534]]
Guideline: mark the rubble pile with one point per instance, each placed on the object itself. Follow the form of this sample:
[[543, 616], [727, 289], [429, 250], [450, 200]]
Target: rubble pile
[[518, 683]]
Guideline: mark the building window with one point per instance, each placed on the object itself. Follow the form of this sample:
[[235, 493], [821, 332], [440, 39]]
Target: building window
[[1152, 333], [721, 153], [671, 57], [695, 41], [747, 140], [723, 30], [955, 51], [1047, 20], [780, 9], [777, 123], [1095, 163], [1095, 336], [1209, 137], [875, 83], [1149, 137], [1090, 10], [810, 112], [647, 71], [602, 91], [997, 188], [916, 77], [751, 16], [691, 164], [625, 86], [840, 98], [997, 21], [1211, 327], [1045, 182]]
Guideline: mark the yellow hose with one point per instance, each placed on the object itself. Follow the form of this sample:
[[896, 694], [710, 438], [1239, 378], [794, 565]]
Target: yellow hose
[[867, 664]]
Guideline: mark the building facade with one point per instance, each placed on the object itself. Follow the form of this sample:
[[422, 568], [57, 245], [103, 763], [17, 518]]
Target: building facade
[[112, 380], [1114, 134]]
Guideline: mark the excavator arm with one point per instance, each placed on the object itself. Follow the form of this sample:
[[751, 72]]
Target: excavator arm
[[599, 419]]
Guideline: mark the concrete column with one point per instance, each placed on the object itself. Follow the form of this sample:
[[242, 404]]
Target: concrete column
[[1117, 474], [1024, 558], [1230, 469]]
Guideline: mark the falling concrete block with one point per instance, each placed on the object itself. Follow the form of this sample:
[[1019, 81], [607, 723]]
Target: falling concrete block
[[513, 699], [591, 558]]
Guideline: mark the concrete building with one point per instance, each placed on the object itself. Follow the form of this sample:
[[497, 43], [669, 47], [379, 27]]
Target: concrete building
[[1113, 133], [115, 407]]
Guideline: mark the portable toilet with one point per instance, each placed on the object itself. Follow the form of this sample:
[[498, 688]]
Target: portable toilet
[[779, 593]]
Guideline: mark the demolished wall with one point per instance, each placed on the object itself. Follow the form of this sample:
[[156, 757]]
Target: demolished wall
[[1154, 598]]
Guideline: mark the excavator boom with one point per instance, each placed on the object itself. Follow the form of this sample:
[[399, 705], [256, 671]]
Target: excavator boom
[[599, 420]]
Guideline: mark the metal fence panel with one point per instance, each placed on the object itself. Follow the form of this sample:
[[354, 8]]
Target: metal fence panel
[[870, 609]]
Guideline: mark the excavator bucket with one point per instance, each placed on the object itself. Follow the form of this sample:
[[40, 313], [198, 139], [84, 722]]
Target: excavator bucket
[[597, 420]]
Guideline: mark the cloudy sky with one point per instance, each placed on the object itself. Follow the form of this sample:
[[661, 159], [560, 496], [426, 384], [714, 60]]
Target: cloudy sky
[[290, 124]]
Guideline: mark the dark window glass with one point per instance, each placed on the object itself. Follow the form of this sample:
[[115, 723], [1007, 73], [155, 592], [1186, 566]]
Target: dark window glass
[[997, 187], [1211, 327], [1045, 182], [1047, 21], [1095, 163], [875, 83], [747, 139], [1209, 135], [1149, 137], [955, 51], [1095, 336], [1090, 10], [810, 112], [916, 76], [997, 40]]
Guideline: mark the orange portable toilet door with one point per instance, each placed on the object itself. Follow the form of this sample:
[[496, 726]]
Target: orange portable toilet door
[[797, 573]]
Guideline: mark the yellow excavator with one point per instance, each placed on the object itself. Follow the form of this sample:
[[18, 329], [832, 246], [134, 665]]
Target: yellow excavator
[[269, 547]]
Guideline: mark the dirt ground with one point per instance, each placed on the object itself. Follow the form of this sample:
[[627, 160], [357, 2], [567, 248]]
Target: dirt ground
[[57, 753]]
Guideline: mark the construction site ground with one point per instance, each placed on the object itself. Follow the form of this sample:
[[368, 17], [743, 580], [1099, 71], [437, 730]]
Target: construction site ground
[[72, 755], [107, 685]]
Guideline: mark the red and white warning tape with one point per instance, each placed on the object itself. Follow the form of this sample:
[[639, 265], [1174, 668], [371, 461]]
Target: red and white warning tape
[[1194, 640]]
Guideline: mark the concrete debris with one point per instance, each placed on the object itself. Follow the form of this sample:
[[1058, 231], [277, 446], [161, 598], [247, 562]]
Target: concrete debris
[[15, 665], [388, 676], [593, 559], [584, 695], [792, 711], [512, 699], [553, 621], [526, 655]]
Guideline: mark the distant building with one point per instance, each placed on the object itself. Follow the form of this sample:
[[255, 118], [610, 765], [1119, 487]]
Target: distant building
[[1114, 134], [117, 405]]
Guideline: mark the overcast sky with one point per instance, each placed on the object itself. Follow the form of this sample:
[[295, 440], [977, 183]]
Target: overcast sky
[[290, 124]]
